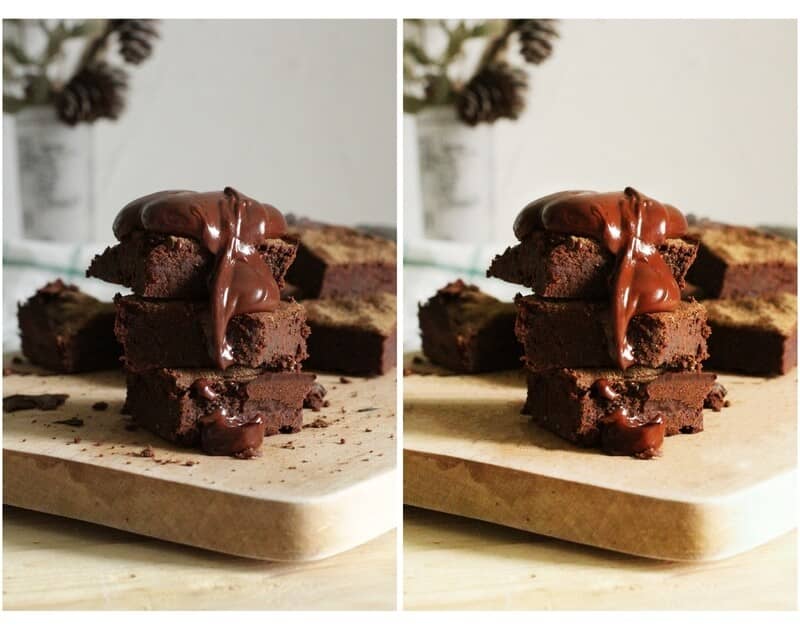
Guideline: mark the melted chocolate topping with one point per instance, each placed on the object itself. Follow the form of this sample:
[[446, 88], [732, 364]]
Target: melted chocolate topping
[[631, 226], [221, 433], [623, 433], [204, 388], [231, 226]]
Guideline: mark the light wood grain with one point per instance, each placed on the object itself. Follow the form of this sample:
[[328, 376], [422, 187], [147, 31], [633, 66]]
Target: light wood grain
[[469, 451], [311, 494], [57, 563], [453, 563]]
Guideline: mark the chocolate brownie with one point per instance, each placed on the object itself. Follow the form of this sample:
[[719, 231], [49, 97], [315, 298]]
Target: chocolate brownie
[[737, 261], [354, 336], [753, 335], [161, 266], [469, 331], [65, 330], [556, 265], [570, 402], [172, 403], [575, 334], [334, 261], [178, 334]]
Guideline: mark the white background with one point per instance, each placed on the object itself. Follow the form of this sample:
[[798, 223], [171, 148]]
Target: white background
[[300, 114], [699, 113]]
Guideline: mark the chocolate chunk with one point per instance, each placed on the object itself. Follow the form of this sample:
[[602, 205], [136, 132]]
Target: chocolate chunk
[[75, 422], [13, 403]]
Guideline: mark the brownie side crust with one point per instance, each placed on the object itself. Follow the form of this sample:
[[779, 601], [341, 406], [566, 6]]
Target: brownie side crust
[[566, 401], [159, 266], [178, 334], [564, 266], [466, 330], [334, 261], [575, 334], [753, 335], [736, 261], [167, 402], [67, 331], [354, 336]]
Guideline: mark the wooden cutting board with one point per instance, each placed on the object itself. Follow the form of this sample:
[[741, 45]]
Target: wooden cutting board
[[468, 451], [311, 495]]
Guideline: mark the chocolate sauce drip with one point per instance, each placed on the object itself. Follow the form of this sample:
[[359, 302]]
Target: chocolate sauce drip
[[631, 226], [204, 388], [231, 226], [622, 433], [222, 433], [603, 388]]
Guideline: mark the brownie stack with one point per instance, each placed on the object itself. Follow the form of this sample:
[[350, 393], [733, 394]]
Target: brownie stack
[[346, 282], [612, 353], [212, 355]]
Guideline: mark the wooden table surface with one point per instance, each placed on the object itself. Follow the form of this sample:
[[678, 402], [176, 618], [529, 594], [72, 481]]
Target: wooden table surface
[[458, 563], [57, 563]]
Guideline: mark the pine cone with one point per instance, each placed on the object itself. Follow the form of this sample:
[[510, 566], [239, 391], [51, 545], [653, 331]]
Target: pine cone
[[535, 38], [96, 91], [135, 39], [495, 92]]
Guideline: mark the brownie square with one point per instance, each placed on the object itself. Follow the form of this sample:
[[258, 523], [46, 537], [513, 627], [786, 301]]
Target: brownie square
[[575, 334], [67, 331], [160, 266], [737, 261], [563, 266], [335, 261], [178, 334], [566, 401], [167, 401], [469, 331], [354, 336], [753, 335]]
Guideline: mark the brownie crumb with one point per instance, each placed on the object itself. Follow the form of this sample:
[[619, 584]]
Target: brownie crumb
[[315, 399], [13, 403], [367, 429], [317, 423], [189, 463], [146, 452], [366, 409], [342, 442], [76, 440], [715, 399], [407, 372], [249, 453], [100, 405], [345, 380], [75, 422]]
